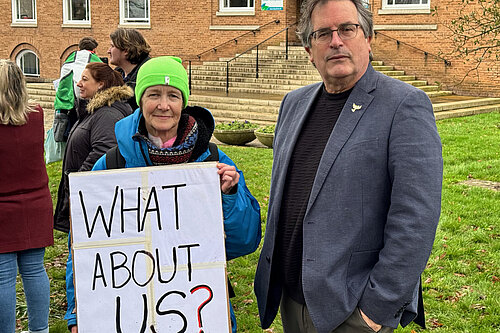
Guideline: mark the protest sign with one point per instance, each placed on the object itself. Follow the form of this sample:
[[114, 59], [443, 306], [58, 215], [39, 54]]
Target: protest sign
[[148, 250]]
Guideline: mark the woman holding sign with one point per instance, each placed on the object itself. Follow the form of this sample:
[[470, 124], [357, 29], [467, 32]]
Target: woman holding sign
[[163, 131], [25, 204]]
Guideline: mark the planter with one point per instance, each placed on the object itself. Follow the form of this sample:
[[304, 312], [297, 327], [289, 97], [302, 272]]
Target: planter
[[265, 138], [235, 137]]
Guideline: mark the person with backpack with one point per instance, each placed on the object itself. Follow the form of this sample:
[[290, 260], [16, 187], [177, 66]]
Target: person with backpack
[[164, 130], [67, 93]]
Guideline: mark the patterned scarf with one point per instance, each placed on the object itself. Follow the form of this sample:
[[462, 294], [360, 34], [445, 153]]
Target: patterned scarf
[[180, 152]]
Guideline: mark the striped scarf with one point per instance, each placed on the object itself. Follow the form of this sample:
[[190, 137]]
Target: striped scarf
[[180, 152]]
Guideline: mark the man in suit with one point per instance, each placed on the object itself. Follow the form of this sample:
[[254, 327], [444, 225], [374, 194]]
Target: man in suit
[[356, 188]]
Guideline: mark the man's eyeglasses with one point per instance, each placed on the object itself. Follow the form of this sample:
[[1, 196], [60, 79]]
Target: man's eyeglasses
[[345, 32]]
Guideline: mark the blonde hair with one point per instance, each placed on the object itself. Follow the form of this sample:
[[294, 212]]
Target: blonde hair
[[14, 108]]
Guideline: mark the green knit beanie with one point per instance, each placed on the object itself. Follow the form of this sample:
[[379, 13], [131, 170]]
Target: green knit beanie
[[164, 70]]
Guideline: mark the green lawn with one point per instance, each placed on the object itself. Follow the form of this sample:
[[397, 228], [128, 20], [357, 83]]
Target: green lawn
[[462, 279]]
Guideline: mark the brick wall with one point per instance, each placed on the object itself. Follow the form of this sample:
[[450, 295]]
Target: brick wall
[[177, 28], [184, 28], [436, 41]]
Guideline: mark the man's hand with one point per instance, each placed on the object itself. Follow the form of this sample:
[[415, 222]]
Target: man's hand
[[74, 329], [229, 177], [368, 321]]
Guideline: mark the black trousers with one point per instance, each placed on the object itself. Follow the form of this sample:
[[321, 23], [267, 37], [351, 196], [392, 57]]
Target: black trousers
[[296, 319]]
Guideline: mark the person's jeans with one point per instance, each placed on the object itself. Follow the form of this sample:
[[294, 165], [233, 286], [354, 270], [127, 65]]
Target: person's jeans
[[36, 289]]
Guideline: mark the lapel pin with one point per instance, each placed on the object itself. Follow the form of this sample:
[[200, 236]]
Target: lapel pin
[[356, 107]]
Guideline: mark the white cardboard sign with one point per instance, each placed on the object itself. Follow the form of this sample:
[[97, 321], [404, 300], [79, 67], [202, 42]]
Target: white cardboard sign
[[148, 250]]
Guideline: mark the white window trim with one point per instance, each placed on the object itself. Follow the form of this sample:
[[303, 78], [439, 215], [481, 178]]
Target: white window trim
[[385, 6], [227, 12], [67, 22], [18, 62], [235, 10], [135, 24], [16, 21], [235, 27]]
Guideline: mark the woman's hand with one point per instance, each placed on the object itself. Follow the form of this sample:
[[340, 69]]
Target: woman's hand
[[229, 177], [74, 329]]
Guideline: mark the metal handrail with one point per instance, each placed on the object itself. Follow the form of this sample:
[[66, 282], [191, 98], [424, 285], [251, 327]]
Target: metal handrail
[[257, 55], [398, 42], [235, 39]]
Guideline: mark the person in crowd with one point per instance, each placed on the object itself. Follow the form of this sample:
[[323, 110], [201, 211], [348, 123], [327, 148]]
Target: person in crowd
[[67, 93], [355, 191], [25, 204], [164, 130], [103, 95], [128, 51]]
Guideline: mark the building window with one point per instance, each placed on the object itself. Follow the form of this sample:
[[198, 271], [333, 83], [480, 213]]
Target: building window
[[23, 11], [76, 11], [134, 11], [28, 62], [406, 4], [235, 5]]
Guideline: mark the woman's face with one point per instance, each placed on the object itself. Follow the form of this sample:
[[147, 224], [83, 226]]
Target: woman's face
[[161, 107], [88, 85]]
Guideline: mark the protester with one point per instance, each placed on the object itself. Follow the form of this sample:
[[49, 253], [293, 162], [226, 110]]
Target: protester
[[104, 95], [128, 51], [103, 92], [356, 188], [164, 130], [25, 204], [67, 93]]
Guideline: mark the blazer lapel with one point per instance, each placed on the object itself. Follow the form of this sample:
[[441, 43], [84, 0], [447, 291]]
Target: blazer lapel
[[356, 105], [294, 119], [298, 116]]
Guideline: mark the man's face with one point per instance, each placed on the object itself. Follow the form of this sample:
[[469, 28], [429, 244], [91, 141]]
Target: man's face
[[341, 63], [116, 56]]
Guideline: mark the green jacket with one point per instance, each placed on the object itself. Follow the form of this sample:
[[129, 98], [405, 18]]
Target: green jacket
[[71, 72]]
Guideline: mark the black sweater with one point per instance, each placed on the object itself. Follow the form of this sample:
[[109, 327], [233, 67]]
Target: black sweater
[[299, 180]]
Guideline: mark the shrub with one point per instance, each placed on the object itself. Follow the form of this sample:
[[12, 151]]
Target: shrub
[[236, 125], [266, 129]]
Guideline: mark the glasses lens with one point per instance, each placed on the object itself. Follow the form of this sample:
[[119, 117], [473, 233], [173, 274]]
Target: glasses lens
[[348, 31], [323, 35]]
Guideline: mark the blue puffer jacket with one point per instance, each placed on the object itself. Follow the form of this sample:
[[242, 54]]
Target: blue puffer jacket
[[241, 210]]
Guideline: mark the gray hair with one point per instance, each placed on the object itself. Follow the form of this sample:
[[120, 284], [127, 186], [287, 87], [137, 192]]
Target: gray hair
[[305, 28]]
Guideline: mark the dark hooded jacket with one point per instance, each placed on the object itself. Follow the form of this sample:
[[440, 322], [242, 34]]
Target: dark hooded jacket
[[131, 78], [91, 137]]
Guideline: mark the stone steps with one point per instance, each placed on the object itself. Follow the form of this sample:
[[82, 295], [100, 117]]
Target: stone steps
[[466, 107], [258, 99], [281, 79], [282, 89]]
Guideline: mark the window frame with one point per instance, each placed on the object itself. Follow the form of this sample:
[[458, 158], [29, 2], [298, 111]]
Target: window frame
[[37, 65], [67, 17], [406, 6], [15, 13], [223, 8], [135, 22]]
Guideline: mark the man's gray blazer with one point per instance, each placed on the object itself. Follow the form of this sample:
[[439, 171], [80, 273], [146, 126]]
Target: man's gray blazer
[[374, 206]]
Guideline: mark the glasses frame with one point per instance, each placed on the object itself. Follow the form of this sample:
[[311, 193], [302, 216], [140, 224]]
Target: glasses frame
[[341, 26]]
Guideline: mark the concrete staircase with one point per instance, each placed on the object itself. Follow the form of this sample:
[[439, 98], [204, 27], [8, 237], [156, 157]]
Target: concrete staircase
[[43, 94], [258, 99]]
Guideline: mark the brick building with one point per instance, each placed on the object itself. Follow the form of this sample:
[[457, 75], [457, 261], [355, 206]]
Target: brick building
[[40, 34]]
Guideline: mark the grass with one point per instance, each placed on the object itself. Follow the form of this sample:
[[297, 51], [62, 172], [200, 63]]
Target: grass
[[462, 279]]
